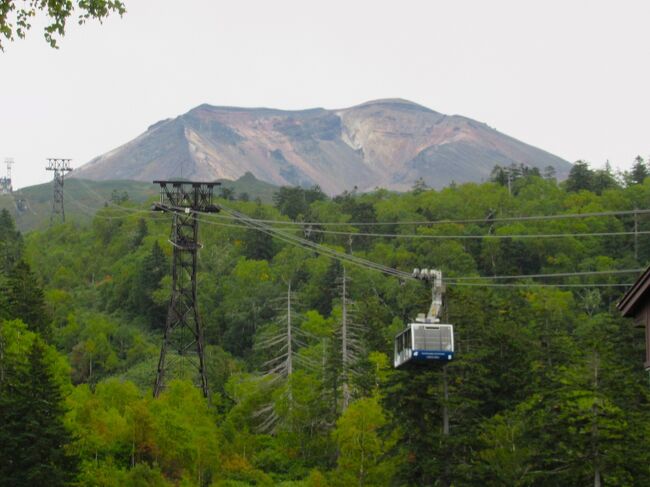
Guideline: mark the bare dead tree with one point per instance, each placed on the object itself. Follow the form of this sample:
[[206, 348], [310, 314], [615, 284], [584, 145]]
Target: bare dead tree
[[283, 340], [348, 334]]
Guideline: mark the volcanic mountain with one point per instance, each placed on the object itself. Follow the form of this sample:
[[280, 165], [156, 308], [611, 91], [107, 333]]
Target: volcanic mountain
[[383, 143]]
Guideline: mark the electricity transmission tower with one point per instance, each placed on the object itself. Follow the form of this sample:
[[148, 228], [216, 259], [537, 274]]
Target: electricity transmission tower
[[60, 167], [5, 182], [183, 332]]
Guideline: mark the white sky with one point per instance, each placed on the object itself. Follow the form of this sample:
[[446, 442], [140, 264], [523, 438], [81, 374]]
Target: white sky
[[571, 77]]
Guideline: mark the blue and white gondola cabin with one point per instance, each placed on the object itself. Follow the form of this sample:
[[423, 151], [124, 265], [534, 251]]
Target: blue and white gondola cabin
[[424, 343]]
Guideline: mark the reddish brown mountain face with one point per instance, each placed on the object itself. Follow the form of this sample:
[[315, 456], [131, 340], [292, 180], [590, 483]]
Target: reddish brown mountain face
[[384, 143]]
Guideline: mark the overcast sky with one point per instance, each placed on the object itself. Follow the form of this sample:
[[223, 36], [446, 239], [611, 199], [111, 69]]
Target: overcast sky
[[570, 77]]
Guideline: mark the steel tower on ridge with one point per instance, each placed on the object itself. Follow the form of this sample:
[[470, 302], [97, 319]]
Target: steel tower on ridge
[[60, 167], [5, 182], [183, 331]]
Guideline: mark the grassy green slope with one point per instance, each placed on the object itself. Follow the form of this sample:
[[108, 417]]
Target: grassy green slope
[[83, 198]]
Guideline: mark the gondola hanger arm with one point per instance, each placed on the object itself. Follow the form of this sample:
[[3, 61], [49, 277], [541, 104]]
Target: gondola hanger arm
[[434, 276]]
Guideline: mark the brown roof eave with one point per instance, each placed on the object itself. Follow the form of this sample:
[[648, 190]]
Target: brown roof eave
[[634, 296]]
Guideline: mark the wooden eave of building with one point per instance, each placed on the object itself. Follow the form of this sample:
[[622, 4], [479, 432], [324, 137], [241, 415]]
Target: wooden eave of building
[[637, 297]]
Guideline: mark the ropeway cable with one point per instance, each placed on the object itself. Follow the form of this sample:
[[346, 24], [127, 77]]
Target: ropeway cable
[[342, 257], [560, 216]]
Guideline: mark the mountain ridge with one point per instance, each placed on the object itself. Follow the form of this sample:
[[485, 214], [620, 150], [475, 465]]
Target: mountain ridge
[[388, 143]]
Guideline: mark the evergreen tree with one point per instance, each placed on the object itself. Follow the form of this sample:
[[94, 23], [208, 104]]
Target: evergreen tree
[[603, 179], [549, 172], [315, 193], [581, 177], [141, 232], [419, 187], [499, 175], [26, 299], [291, 201], [258, 245], [150, 272], [33, 437], [638, 173], [227, 193], [11, 242]]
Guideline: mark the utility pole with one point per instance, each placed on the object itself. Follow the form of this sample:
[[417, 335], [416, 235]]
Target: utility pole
[[5, 183], [183, 331], [60, 167]]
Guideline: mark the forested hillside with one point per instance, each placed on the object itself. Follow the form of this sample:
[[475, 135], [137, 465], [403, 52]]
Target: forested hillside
[[547, 387], [31, 207]]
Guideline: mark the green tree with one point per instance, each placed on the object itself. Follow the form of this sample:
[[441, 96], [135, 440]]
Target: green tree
[[16, 16], [141, 232], [361, 446], [638, 173], [146, 281], [33, 438], [26, 299], [11, 242], [258, 245], [227, 193], [603, 179], [581, 177], [291, 201]]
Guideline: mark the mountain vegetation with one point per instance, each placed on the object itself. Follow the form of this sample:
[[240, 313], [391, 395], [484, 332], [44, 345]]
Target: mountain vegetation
[[31, 207], [547, 387]]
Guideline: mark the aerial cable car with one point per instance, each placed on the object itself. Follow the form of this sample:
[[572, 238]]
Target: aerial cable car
[[426, 340]]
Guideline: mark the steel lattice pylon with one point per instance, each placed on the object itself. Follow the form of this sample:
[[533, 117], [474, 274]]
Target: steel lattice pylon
[[60, 167], [183, 330]]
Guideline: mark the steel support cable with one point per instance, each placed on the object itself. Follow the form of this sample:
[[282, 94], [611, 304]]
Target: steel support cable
[[348, 257], [432, 237], [317, 247], [394, 235], [93, 212], [535, 284], [443, 237], [464, 237], [308, 245], [560, 216], [402, 275], [546, 275], [556, 274], [101, 199]]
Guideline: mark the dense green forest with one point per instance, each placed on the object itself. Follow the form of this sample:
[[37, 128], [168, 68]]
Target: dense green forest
[[547, 387]]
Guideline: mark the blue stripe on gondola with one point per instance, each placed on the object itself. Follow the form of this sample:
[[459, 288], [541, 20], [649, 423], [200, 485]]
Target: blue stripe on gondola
[[424, 355]]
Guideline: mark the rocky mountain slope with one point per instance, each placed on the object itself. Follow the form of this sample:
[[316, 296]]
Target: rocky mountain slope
[[382, 143]]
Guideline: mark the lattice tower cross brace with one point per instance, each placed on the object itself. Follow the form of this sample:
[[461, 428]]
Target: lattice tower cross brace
[[60, 167], [183, 331]]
